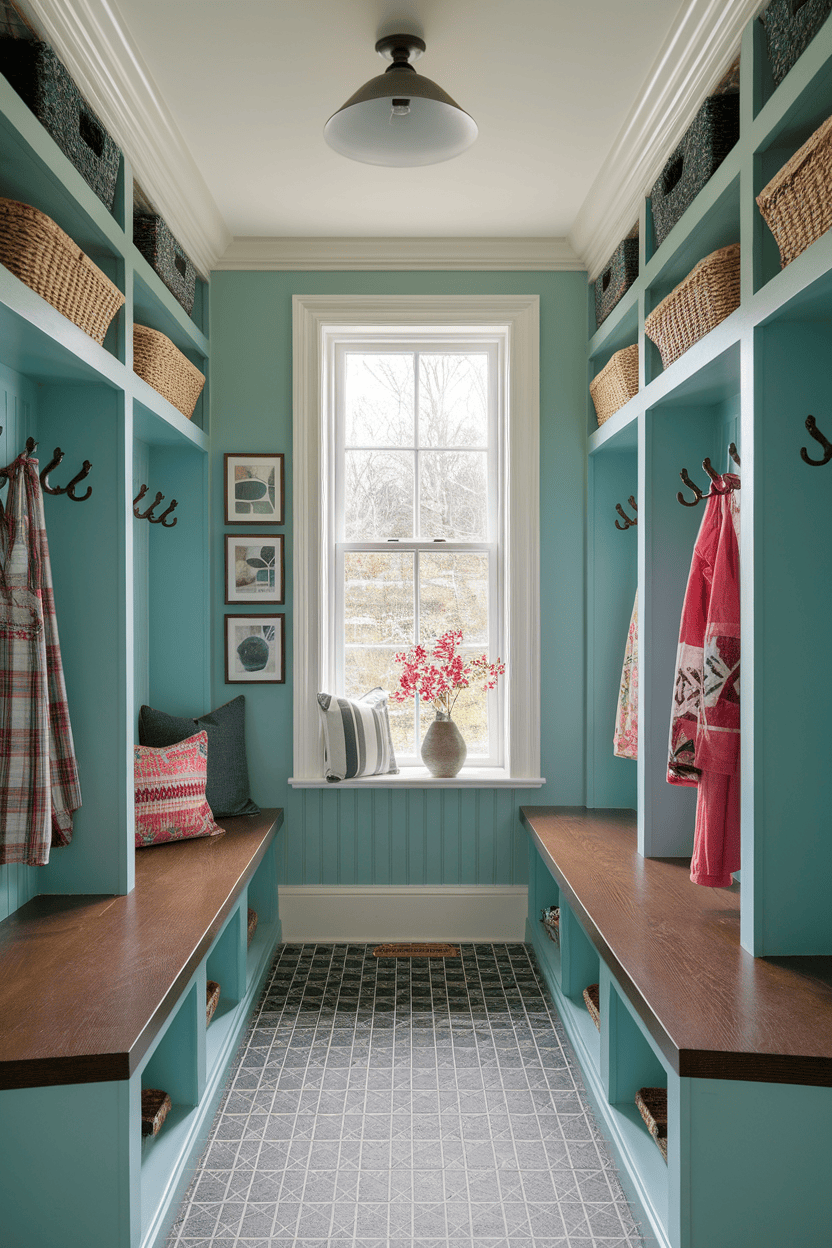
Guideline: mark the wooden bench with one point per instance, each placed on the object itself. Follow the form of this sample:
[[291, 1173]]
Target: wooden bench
[[742, 1044], [102, 995]]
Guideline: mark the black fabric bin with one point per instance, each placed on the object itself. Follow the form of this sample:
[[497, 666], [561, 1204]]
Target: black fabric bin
[[162, 252], [710, 137], [46, 87], [620, 271], [790, 27]]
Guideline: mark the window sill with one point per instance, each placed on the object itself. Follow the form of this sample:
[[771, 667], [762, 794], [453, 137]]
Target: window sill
[[420, 778]]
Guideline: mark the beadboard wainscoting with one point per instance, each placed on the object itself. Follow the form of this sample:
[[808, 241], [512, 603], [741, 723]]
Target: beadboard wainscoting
[[467, 912]]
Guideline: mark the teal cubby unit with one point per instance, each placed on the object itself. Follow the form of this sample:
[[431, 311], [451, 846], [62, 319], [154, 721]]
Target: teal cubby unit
[[262, 897], [543, 893], [752, 381], [630, 1061], [176, 1065], [226, 966], [611, 587], [122, 593]]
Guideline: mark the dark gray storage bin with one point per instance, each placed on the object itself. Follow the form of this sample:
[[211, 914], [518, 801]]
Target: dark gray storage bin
[[161, 250], [620, 271], [45, 86], [710, 137], [790, 27]]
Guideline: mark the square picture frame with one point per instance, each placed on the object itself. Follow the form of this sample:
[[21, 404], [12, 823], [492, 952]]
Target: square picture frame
[[255, 649], [253, 488], [254, 569]]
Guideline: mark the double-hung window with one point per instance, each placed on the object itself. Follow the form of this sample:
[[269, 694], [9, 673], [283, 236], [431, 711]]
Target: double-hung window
[[415, 522], [415, 479]]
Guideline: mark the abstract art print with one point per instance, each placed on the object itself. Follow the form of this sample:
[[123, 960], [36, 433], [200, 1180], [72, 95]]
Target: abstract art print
[[254, 568], [255, 649], [253, 489]]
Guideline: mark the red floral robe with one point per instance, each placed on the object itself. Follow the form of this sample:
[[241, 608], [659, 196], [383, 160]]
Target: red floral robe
[[705, 724]]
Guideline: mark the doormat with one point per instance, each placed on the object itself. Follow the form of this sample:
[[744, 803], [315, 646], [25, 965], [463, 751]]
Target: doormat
[[416, 951]]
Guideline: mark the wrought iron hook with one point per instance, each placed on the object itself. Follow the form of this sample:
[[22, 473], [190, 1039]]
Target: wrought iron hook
[[711, 471], [698, 495], [161, 519], [146, 515], [628, 522], [819, 437], [69, 489]]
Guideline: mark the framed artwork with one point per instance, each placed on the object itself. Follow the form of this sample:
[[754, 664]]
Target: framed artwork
[[253, 489], [255, 649], [254, 568]]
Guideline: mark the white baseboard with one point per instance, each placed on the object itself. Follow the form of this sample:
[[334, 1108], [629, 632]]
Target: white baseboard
[[403, 912]]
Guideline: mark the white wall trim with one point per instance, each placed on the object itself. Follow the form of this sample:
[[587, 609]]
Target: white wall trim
[[701, 44], [98, 50], [403, 912], [312, 314], [364, 254]]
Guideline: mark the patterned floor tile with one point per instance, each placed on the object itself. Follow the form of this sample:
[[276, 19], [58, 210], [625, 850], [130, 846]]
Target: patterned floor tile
[[405, 1104]]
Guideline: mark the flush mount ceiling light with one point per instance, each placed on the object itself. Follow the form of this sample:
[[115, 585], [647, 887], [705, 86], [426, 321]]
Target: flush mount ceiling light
[[400, 118]]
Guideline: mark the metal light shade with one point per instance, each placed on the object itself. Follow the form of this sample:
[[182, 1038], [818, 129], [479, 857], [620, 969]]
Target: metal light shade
[[400, 118]]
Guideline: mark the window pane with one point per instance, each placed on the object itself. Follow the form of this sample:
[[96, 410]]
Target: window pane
[[454, 594], [453, 400], [372, 667], [378, 598], [379, 400], [453, 500], [378, 495]]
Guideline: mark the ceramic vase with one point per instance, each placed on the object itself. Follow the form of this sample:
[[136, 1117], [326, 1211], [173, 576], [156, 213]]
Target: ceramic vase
[[443, 749]]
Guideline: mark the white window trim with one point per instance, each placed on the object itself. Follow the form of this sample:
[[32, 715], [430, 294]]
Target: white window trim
[[520, 314]]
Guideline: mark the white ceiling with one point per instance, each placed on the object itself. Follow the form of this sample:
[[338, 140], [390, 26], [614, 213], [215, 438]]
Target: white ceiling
[[250, 84]]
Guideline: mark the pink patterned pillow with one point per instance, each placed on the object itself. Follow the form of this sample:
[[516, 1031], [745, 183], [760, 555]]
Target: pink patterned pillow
[[170, 792]]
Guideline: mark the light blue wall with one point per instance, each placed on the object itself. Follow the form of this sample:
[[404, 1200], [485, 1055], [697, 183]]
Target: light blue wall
[[381, 837]]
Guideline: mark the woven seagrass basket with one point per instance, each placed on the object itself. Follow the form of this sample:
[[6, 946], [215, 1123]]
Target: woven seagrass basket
[[47, 89], [616, 383], [797, 203], [38, 252], [156, 1105], [212, 999], [164, 254], [652, 1105], [709, 293], [710, 137], [166, 369], [790, 27], [592, 1001]]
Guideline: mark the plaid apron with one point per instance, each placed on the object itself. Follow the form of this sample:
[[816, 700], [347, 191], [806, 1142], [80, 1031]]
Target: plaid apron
[[38, 774]]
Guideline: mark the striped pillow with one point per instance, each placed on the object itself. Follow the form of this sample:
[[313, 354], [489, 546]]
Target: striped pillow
[[170, 792], [357, 736]]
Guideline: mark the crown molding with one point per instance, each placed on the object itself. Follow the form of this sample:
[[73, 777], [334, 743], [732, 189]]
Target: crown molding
[[699, 47], [99, 52], [312, 254]]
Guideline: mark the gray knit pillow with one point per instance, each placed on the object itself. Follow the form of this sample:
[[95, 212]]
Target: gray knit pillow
[[227, 790]]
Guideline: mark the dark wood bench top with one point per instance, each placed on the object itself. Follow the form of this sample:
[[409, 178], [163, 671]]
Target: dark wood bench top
[[715, 1011], [86, 982]]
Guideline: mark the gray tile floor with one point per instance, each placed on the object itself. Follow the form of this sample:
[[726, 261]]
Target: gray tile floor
[[430, 1102]]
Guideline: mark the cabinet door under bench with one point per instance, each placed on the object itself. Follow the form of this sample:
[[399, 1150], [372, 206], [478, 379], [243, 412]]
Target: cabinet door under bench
[[742, 1046]]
